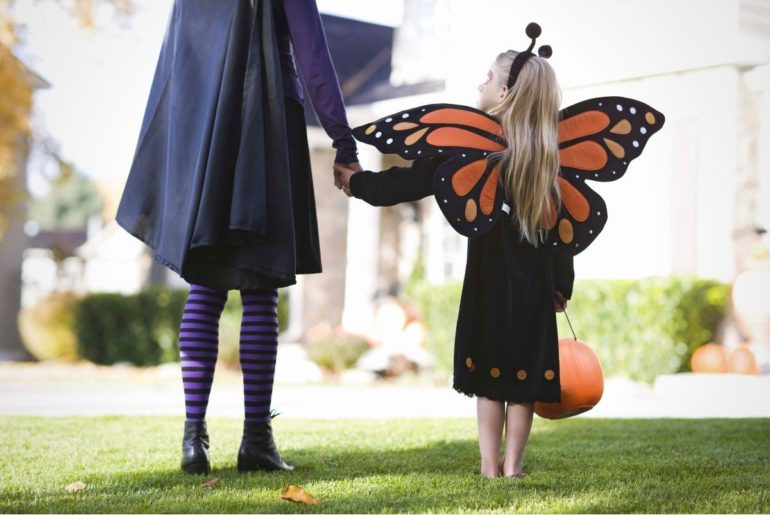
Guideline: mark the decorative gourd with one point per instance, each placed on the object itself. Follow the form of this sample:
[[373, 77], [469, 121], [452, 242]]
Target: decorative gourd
[[741, 360], [710, 358], [582, 383]]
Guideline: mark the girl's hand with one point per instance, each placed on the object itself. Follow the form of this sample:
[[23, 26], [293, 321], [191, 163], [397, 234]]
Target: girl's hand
[[559, 302], [342, 175]]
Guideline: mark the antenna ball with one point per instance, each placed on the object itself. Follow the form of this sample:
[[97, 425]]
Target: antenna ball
[[545, 51], [533, 30]]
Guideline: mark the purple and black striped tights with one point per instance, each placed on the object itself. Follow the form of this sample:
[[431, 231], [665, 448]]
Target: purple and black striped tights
[[198, 343]]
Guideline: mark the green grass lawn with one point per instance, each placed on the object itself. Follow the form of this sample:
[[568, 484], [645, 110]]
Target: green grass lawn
[[580, 465]]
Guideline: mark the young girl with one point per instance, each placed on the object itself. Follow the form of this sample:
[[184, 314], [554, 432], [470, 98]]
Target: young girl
[[506, 350], [221, 188]]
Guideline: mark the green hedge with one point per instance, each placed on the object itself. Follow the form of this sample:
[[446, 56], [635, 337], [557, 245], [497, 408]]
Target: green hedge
[[142, 329], [639, 328]]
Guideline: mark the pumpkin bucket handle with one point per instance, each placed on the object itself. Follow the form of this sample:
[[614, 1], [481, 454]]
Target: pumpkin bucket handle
[[570, 323]]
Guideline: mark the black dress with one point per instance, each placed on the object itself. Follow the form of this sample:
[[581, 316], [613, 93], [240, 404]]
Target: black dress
[[506, 344]]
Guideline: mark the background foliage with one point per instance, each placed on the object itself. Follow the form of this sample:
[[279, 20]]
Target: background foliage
[[638, 328], [16, 86], [140, 329]]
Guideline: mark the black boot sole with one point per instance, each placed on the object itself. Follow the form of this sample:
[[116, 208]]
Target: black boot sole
[[196, 468]]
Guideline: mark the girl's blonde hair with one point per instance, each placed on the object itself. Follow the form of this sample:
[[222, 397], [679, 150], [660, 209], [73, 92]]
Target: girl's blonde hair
[[529, 115]]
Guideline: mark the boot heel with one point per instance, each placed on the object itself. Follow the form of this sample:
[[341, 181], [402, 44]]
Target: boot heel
[[195, 448], [258, 450]]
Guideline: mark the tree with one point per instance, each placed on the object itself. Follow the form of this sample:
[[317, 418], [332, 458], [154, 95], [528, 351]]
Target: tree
[[16, 83], [69, 203]]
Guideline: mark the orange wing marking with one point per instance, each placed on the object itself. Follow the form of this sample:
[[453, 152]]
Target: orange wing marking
[[574, 201], [566, 233], [454, 137], [415, 136], [466, 177], [470, 210], [487, 197], [586, 156], [403, 126], [616, 148], [622, 127], [582, 124], [462, 117]]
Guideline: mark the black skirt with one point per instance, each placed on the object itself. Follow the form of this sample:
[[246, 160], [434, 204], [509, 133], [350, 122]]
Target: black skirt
[[221, 187]]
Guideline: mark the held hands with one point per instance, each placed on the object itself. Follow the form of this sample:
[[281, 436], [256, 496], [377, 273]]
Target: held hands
[[559, 302], [342, 174]]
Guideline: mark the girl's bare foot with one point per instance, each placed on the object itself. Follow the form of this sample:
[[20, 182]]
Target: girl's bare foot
[[490, 471], [512, 471]]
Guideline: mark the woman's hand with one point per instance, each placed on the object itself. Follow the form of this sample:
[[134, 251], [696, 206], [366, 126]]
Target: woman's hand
[[342, 175], [559, 302]]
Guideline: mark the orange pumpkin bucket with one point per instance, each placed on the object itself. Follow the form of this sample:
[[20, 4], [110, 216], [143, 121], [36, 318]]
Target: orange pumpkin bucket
[[582, 382]]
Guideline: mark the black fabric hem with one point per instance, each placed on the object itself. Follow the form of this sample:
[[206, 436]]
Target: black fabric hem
[[267, 281], [508, 394]]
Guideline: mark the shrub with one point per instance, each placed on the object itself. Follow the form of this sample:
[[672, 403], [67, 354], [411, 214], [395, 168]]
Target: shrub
[[339, 352], [139, 329], [47, 329], [639, 328], [143, 329]]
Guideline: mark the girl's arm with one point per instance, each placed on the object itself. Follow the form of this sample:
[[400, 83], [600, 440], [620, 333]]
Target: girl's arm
[[396, 184]]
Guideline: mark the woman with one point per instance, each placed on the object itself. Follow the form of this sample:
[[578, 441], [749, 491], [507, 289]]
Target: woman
[[222, 191]]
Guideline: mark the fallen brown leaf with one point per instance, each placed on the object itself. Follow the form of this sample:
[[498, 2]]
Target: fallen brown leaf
[[209, 484], [77, 486], [296, 494]]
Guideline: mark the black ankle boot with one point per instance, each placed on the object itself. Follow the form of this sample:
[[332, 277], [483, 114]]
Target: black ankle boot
[[195, 448], [258, 450]]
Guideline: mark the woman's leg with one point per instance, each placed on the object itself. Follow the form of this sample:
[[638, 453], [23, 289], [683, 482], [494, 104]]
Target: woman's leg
[[259, 345], [198, 344], [491, 416], [518, 422]]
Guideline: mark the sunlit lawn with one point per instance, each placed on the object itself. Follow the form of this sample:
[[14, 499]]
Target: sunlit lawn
[[580, 465]]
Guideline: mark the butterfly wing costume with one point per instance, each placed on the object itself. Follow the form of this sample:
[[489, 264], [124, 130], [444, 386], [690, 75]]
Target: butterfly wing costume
[[506, 343], [598, 138]]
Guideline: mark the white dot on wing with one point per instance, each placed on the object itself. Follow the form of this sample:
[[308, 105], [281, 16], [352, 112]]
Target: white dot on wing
[[405, 115], [632, 110]]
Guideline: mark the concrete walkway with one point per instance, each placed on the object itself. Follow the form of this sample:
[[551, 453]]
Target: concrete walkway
[[88, 390]]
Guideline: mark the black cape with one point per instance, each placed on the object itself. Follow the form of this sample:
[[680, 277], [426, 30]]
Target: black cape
[[212, 188]]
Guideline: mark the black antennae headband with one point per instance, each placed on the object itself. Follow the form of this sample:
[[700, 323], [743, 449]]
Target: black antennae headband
[[533, 32]]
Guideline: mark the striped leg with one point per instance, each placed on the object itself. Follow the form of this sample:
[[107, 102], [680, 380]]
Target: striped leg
[[198, 345], [258, 347]]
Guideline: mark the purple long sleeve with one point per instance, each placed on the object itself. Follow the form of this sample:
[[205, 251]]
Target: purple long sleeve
[[312, 56]]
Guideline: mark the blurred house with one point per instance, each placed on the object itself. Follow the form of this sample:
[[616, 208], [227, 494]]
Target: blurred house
[[703, 183], [685, 207]]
